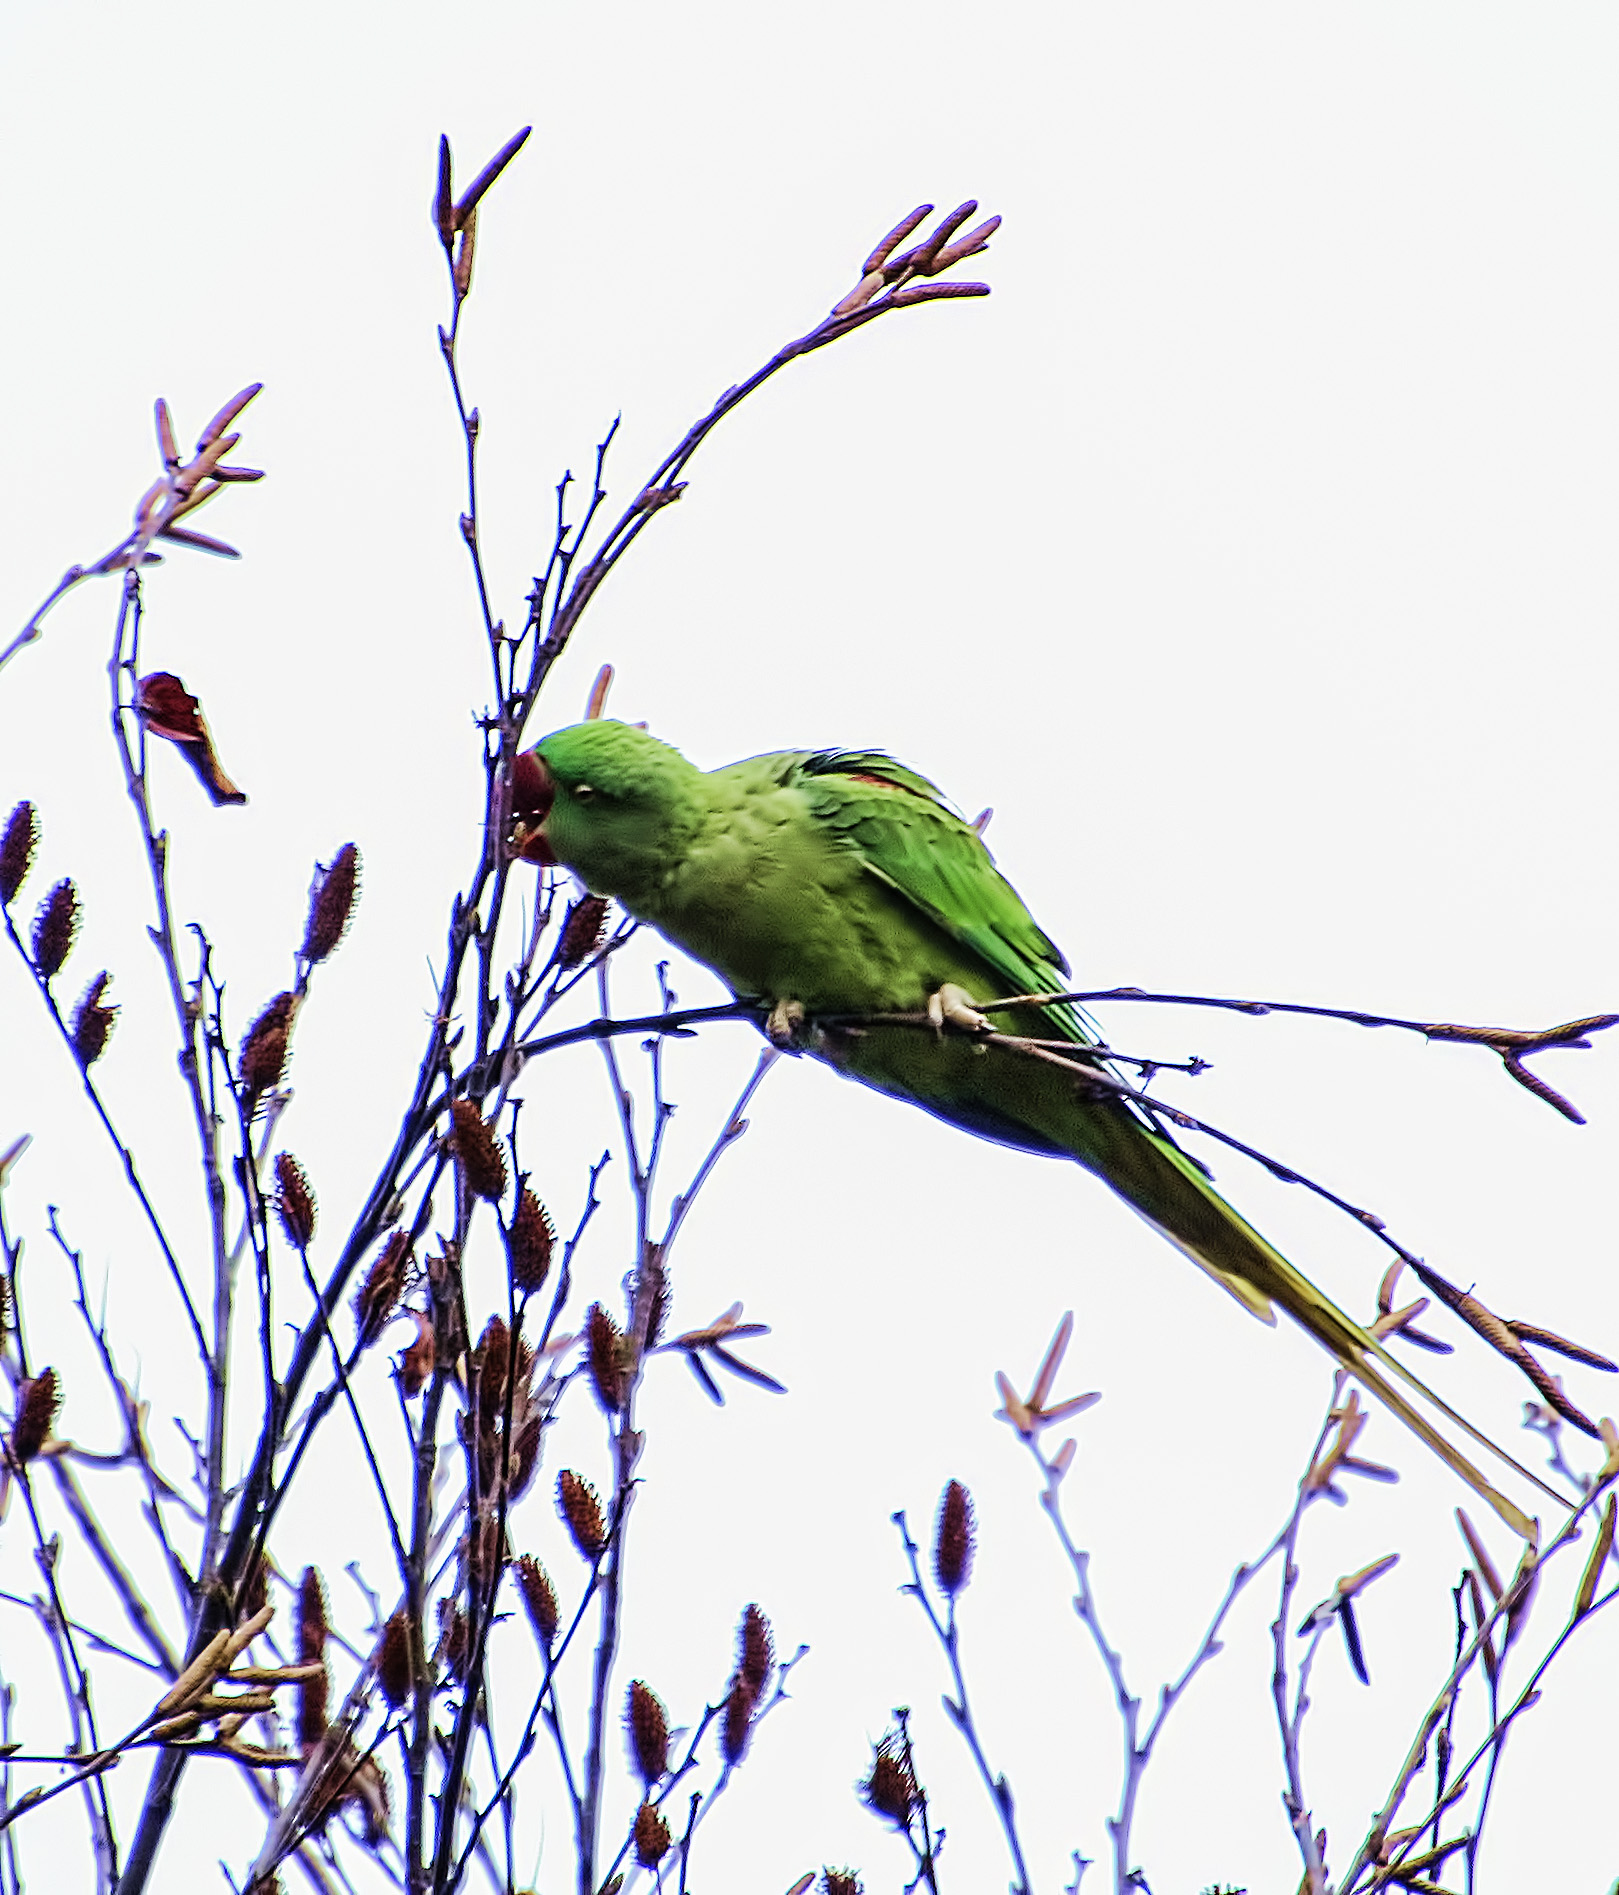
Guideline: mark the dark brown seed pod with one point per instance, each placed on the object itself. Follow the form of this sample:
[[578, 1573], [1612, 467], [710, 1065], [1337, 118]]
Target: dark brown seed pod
[[55, 927], [841, 1882], [17, 850], [756, 1649], [312, 1622], [581, 1509], [331, 903], [953, 1540], [295, 1201], [264, 1048], [378, 1296], [313, 1693], [736, 1726], [529, 1244], [888, 1787], [394, 1668], [583, 931], [92, 1021], [38, 1399], [604, 1350], [651, 1837], [647, 1723], [539, 1599], [477, 1152]]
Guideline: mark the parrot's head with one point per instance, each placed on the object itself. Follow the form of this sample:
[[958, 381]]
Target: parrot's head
[[609, 801]]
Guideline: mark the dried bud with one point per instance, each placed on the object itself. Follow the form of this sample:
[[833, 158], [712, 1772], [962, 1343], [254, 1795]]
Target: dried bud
[[312, 1623], [454, 1640], [477, 1151], [889, 1787], [953, 1540], [841, 1882], [378, 1296], [756, 1650], [492, 1365], [313, 1693], [651, 1837], [92, 1022], [17, 850], [394, 1667], [529, 1244], [331, 902], [583, 931], [737, 1724], [648, 1725], [264, 1048], [604, 1349], [416, 1362], [295, 1201], [539, 1598], [38, 1399], [55, 926], [581, 1508], [168, 709]]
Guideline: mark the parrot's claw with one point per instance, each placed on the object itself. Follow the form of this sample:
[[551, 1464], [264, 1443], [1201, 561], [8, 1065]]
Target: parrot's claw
[[785, 1026], [953, 1006]]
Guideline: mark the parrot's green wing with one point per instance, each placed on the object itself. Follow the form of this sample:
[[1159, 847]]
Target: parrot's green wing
[[909, 837]]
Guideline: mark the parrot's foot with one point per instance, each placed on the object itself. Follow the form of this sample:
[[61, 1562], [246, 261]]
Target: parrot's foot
[[785, 1026], [953, 1005]]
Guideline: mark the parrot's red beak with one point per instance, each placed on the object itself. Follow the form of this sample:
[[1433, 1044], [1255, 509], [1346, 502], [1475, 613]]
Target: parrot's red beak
[[533, 792]]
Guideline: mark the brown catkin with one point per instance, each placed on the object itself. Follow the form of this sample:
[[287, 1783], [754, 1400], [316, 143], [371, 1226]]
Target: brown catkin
[[604, 1350], [311, 1618], [539, 1598], [583, 931], [953, 1540], [295, 1201], [736, 1726], [888, 1787], [313, 1693], [17, 850], [264, 1048], [92, 1021], [482, 1162], [331, 903], [841, 1882], [756, 1649], [378, 1296], [55, 927], [37, 1402], [647, 1723], [651, 1837], [529, 1244], [581, 1509], [394, 1668]]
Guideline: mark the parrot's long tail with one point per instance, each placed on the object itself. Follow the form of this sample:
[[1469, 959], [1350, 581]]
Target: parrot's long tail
[[1160, 1182]]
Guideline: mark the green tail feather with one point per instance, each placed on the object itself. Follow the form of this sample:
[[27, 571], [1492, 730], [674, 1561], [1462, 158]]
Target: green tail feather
[[1168, 1190]]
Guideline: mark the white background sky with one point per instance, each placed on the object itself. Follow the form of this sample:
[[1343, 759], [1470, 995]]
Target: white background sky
[[1251, 550]]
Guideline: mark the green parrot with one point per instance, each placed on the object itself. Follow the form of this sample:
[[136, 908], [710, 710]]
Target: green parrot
[[836, 883]]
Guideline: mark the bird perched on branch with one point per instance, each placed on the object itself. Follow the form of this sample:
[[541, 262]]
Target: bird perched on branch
[[833, 886]]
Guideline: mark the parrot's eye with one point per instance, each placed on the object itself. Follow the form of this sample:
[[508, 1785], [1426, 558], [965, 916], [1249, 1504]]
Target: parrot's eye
[[585, 792]]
